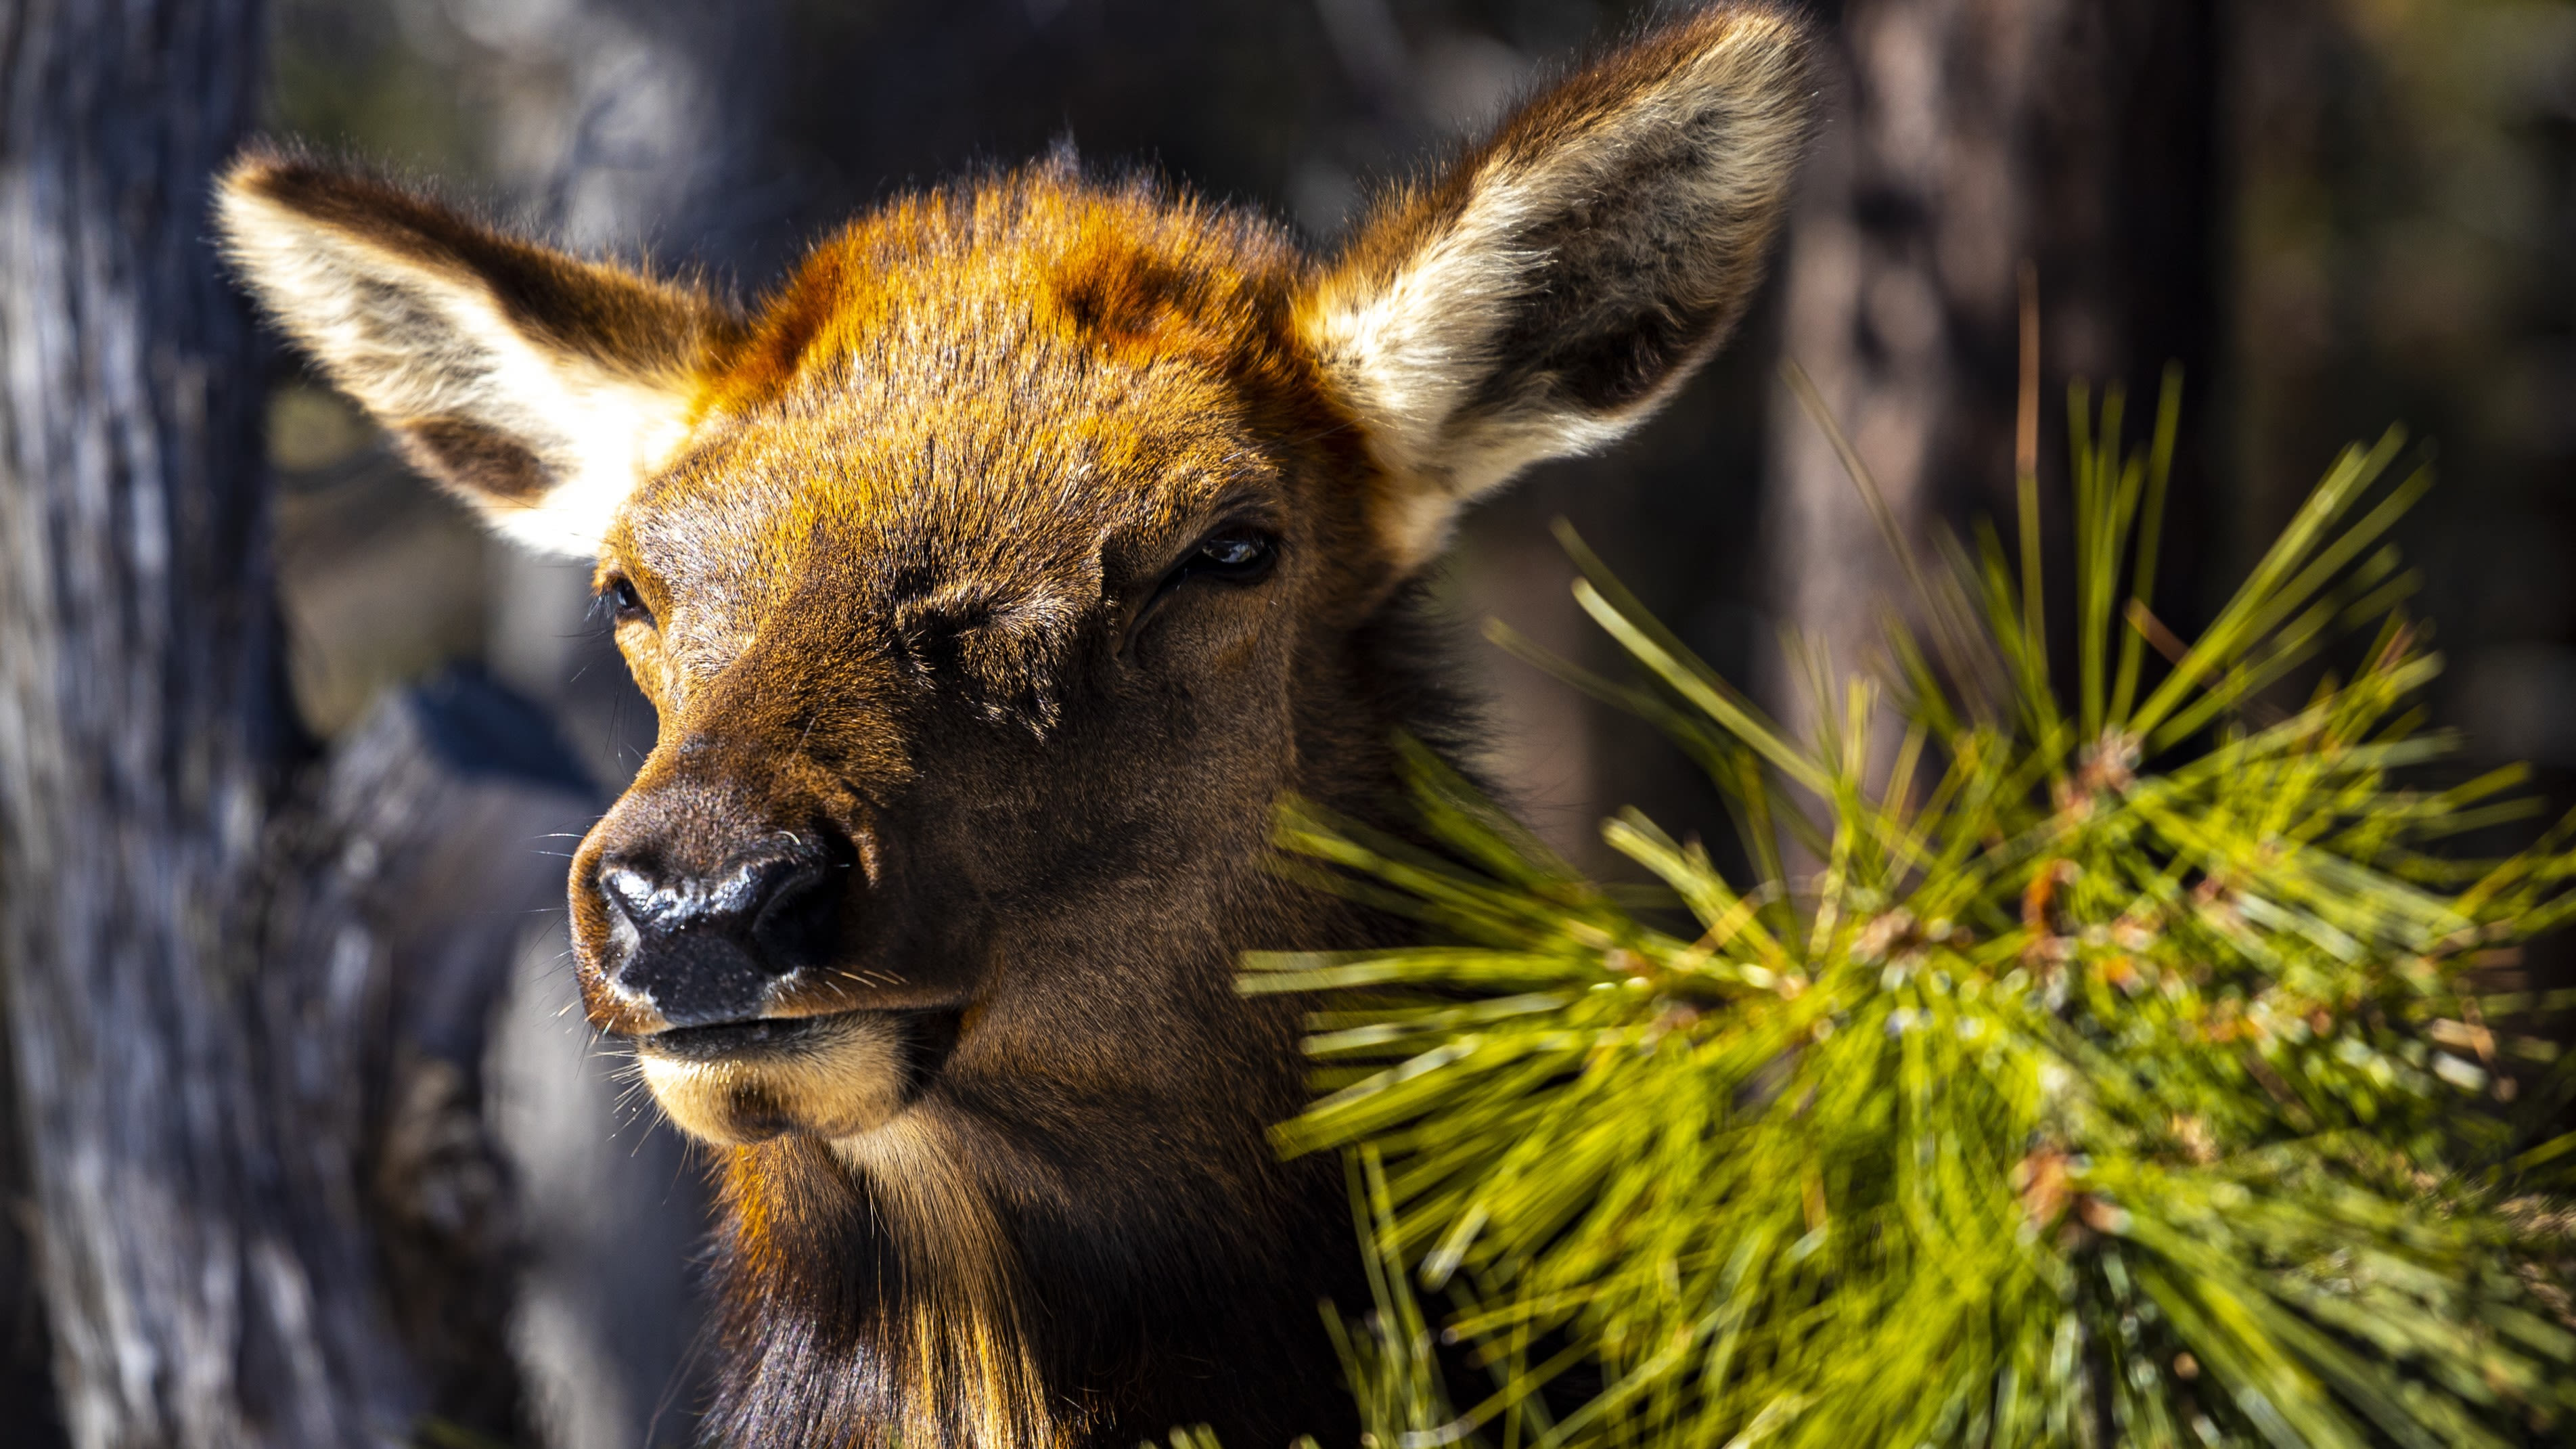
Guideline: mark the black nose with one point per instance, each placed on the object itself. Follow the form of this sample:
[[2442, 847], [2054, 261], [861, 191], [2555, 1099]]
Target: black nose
[[705, 948]]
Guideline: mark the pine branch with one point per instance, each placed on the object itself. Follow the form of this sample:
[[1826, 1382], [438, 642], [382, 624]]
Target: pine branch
[[2119, 1073]]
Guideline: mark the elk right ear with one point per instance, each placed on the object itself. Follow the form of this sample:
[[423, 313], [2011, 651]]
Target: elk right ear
[[1556, 286], [538, 387]]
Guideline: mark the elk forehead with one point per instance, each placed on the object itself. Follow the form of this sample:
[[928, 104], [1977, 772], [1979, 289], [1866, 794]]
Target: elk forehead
[[1028, 464], [988, 406]]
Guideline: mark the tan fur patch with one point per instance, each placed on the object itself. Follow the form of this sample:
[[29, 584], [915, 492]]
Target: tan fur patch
[[962, 1334], [848, 1081]]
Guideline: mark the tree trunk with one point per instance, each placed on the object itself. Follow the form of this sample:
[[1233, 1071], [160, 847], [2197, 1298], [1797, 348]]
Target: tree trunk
[[260, 1206], [1971, 136], [194, 1296]]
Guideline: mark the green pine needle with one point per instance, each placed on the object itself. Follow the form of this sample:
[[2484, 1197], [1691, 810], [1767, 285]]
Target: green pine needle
[[2104, 1071]]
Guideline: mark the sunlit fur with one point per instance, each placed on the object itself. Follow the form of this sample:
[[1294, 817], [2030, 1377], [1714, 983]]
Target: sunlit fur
[[896, 545]]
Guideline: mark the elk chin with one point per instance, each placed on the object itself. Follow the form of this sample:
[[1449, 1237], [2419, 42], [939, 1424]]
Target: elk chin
[[829, 1077]]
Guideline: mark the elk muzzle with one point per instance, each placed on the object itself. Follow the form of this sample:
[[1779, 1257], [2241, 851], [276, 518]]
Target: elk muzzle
[[716, 930]]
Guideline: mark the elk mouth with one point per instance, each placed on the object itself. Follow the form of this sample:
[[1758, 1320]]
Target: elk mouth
[[831, 1076], [728, 1040], [929, 1036]]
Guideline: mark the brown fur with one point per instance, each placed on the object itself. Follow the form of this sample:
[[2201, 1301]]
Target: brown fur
[[924, 908]]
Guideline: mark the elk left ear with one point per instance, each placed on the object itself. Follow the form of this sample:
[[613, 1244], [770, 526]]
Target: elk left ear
[[1556, 286], [538, 387]]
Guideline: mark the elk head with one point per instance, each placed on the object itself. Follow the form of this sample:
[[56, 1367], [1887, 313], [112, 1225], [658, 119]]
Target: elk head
[[996, 578]]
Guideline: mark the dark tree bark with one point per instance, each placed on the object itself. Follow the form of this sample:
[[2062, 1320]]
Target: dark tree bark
[[245, 988], [1972, 136], [139, 760]]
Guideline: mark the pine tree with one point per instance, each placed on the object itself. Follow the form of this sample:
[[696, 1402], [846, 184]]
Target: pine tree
[[2104, 1064]]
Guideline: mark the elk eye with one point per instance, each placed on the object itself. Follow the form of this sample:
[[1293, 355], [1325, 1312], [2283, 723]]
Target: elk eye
[[1231, 556], [624, 604], [1239, 556]]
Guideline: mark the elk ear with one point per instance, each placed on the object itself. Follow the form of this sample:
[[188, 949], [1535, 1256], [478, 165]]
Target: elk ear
[[538, 387], [1557, 285]]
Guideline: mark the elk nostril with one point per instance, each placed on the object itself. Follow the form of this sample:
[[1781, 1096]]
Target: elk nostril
[[648, 901], [794, 924], [630, 894]]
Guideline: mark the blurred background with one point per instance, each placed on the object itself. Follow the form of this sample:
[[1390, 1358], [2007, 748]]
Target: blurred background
[[2333, 214]]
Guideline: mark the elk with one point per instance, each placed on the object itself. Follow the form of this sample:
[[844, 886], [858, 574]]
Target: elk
[[994, 581]]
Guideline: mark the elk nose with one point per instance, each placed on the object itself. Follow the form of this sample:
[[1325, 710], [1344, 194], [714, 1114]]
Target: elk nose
[[705, 948]]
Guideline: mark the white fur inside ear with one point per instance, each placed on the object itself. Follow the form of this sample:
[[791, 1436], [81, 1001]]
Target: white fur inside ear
[[415, 343], [1411, 353], [1408, 359], [617, 434], [1416, 348]]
